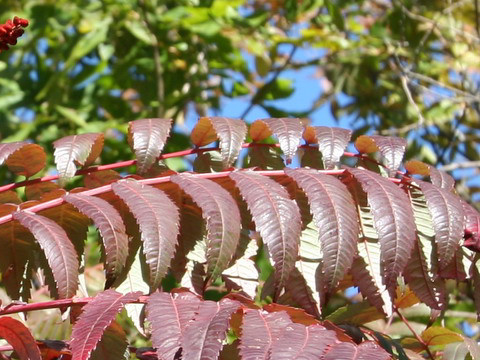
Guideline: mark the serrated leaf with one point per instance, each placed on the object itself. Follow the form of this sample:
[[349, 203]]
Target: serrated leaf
[[441, 179], [169, 315], [243, 271], [97, 315], [332, 142], [158, 219], [203, 336], [58, 249], [348, 351], [20, 338], [147, 138], [7, 149], [277, 219], [231, 133], [392, 149], [393, 221], [222, 217], [27, 160], [260, 331], [111, 228], [303, 342], [289, 132], [75, 149], [448, 220], [113, 345], [334, 212], [301, 293]]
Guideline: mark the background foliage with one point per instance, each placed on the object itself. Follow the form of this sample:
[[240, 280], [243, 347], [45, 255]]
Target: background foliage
[[405, 68]]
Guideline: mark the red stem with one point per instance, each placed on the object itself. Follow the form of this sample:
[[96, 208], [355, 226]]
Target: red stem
[[181, 153]]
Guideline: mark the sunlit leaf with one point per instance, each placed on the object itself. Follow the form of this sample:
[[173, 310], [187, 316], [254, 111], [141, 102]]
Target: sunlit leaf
[[332, 142]]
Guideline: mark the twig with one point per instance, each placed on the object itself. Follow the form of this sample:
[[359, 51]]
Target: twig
[[404, 81], [419, 339], [461, 165], [263, 90]]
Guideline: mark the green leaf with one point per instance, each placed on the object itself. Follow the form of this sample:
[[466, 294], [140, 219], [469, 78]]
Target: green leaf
[[280, 89]]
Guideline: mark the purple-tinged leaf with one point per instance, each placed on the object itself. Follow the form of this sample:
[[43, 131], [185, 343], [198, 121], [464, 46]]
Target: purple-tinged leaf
[[58, 249], [277, 219], [231, 133], [289, 132], [147, 138], [222, 217], [394, 222], [169, 315], [448, 220], [158, 219], [472, 227], [301, 293], [113, 345], [20, 338], [76, 149], [334, 212], [368, 350], [459, 267], [441, 179], [392, 149], [203, 337], [111, 228], [475, 270], [260, 331], [332, 142], [97, 315], [303, 342]]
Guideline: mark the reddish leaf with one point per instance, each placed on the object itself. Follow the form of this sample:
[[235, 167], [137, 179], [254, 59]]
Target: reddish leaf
[[169, 315], [231, 133], [113, 344], [100, 178], [58, 250], [259, 331], [147, 138], [203, 336], [20, 338], [392, 149], [222, 216], [28, 160], [448, 220], [289, 132], [332, 142], [301, 293], [36, 191], [7, 149], [472, 227], [393, 221], [368, 350], [76, 149], [303, 342], [334, 212], [441, 179], [111, 228], [158, 219], [95, 318], [276, 217], [9, 197]]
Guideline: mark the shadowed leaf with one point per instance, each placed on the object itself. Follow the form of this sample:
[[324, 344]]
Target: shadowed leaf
[[158, 219], [147, 138], [58, 250], [332, 142], [111, 228], [393, 221], [76, 149], [113, 344], [334, 212], [301, 293], [169, 315], [97, 315], [36, 191], [289, 132], [20, 338], [276, 217], [448, 220], [222, 217]]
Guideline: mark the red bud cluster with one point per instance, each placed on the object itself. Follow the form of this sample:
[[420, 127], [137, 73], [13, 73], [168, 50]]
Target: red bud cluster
[[10, 31]]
